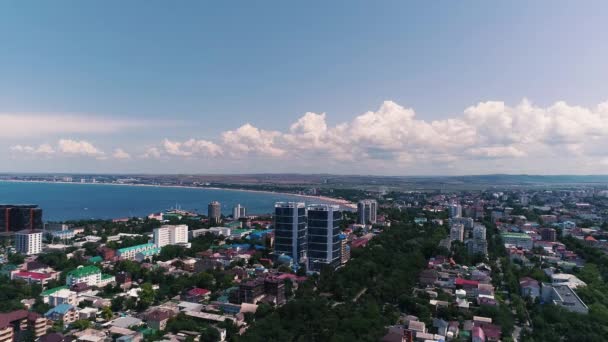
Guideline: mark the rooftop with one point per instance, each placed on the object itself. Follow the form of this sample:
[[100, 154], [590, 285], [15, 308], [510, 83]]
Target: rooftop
[[84, 271], [137, 247]]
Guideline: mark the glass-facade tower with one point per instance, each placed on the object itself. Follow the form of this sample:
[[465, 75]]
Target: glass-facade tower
[[290, 226]]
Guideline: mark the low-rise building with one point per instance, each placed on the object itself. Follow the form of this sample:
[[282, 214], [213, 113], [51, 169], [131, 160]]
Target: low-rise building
[[66, 313], [91, 275], [563, 296], [13, 324], [521, 240], [130, 253]]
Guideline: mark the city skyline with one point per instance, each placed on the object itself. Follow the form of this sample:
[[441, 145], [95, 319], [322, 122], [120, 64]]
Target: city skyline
[[344, 88]]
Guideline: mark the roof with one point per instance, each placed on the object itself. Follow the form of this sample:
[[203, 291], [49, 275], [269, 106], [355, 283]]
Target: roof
[[95, 259], [516, 235], [135, 248], [198, 292], [60, 309], [158, 315], [149, 252], [7, 318], [53, 290], [461, 281], [32, 275], [528, 282], [84, 271]]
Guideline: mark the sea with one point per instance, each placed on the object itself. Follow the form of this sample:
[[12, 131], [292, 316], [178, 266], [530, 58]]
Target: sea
[[76, 201]]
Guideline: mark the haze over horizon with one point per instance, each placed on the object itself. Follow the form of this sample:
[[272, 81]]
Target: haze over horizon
[[341, 88]]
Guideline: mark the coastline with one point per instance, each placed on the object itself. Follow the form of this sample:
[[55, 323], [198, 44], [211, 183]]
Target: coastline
[[338, 201]]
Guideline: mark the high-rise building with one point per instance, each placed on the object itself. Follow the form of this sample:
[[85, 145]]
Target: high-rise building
[[455, 210], [14, 218], [215, 212], [290, 227], [239, 212], [28, 242], [344, 250], [366, 211], [171, 235], [548, 234], [479, 232], [466, 221], [457, 232], [323, 236]]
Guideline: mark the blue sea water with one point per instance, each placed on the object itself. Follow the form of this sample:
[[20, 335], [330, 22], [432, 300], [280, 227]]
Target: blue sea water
[[105, 201]]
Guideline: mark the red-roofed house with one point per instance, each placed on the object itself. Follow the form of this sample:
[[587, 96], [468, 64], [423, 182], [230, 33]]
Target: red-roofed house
[[35, 277], [196, 295]]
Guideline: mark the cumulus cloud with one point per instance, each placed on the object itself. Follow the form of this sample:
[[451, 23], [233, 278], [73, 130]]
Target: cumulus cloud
[[79, 147], [250, 139], [192, 147], [151, 153], [395, 136], [43, 149], [119, 153]]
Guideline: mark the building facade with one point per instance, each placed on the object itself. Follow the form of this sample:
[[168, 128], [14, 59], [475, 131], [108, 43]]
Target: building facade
[[457, 232], [290, 225], [91, 275], [214, 212], [455, 210], [239, 212], [323, 236], [28, 242], [14, 218], [367, 211], [129, 253], [171, 235]]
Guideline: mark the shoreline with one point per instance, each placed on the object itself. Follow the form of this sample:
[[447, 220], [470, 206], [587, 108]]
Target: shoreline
[[338, 201]]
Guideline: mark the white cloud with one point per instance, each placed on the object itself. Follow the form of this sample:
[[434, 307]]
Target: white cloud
[[119, 153], [79, 147], [250, 139], [43, 149], [393, 137], [151, 153], [192, 147]]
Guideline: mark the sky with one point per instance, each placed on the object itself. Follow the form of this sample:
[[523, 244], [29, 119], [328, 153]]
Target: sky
[[346, 87]]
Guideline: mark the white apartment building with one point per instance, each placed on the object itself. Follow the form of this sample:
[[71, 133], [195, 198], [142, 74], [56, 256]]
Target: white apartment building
[[63, 296], [91, 275], [239, 212], [457, 232], [171, 235], [28, 242]]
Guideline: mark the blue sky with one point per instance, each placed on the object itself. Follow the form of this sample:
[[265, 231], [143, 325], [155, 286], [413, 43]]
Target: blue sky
[[153, 86]]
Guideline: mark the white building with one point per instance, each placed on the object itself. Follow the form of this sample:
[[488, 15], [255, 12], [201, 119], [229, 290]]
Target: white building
[[63, 296], [457, 232], [239, 212], [367, 211], [28, 242], [129, 253], [479, 232], [222, 231], [91, 275], [171, 235], [455, 210]]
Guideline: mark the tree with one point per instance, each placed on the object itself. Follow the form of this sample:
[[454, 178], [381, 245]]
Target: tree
[[107, 313], [81, 324], [146, 295]]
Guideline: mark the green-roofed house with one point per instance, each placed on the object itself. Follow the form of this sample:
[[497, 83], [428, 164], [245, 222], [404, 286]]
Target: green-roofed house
[[129, 253], [147, 254], [91, 275], [45, 294], [95, 259], [521, 240]]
